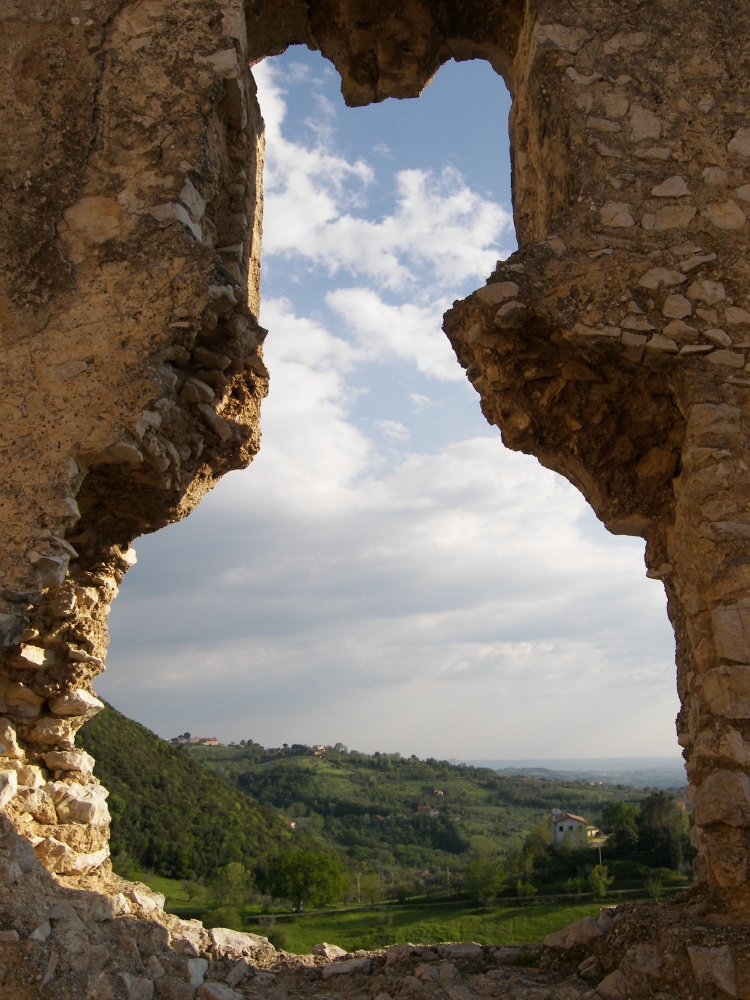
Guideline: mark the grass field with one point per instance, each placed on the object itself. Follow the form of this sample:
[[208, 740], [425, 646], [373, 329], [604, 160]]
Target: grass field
[[376, 927], [386, 925]]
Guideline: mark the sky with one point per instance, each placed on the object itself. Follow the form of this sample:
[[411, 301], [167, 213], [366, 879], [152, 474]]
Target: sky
[[386, 574]]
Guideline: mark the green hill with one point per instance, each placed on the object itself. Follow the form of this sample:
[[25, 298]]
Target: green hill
[[398, 811], [170, 815]]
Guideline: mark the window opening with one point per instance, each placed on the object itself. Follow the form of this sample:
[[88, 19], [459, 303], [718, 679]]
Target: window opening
[[386, 573]]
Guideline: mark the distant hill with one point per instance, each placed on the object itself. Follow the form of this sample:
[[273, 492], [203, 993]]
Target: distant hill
[[634, 772], [170, 814], [398, 811]]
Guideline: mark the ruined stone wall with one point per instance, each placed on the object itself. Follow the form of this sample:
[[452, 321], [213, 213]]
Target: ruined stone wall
[[132, 372], [613, 345]]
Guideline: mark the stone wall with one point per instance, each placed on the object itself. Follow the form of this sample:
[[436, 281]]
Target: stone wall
[[613, 345]]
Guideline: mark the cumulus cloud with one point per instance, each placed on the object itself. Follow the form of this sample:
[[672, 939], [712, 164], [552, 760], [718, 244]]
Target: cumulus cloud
[[392, 578], [438, 222]]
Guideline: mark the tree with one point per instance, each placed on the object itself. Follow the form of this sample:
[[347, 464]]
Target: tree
[[369, 888], [663, 830], [231, 886], [620, 821], [600, 880], [525, 888], [484, 878], [310, 877]]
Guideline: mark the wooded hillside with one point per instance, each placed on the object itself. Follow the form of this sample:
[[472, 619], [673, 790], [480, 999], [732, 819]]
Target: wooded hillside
[[169, 813]]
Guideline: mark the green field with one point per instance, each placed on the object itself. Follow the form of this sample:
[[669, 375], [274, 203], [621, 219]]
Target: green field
[[375, 927], [430, 924]]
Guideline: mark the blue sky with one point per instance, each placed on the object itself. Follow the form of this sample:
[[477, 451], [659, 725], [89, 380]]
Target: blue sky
[[386, 574]]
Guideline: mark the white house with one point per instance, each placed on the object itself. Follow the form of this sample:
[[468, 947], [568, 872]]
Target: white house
[[568, 830]]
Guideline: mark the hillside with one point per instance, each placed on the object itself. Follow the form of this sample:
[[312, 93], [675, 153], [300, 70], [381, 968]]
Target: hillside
[[169, 814], [393, 810]]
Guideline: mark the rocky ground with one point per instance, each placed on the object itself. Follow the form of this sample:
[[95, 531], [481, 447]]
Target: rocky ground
[[102, 938]]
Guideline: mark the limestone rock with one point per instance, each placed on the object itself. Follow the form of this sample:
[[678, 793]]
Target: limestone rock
[[465, 949], [9, 741], [724, 797], [218, 991], [69, 760], [10, 872], [146, 898], [616, 215], [498, 292], [8, 787], [427, 973], [136, 987], [727, 690], [57, 856], [77, 803], [80, 703], [227, 943], [578, 933], [108, 907], [189, 937], [726, 215], [590, 969], [42, 932], [714, 967], [740, 143], [348, 967], [50, 731], [238, 972], [38, 803], [16, 848], [195, 971], [12, 628], [329, 951], [614, 986], [645, 959], [672, 187]]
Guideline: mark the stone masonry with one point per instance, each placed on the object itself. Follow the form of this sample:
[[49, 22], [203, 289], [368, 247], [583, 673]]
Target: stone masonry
[[614, 346]]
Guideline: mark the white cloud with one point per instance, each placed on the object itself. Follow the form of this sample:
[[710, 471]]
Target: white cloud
[[447, 598], [394, 430], [403, 332], [438, 223]]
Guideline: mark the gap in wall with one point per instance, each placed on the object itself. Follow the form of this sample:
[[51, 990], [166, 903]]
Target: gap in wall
[[386, 574]]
